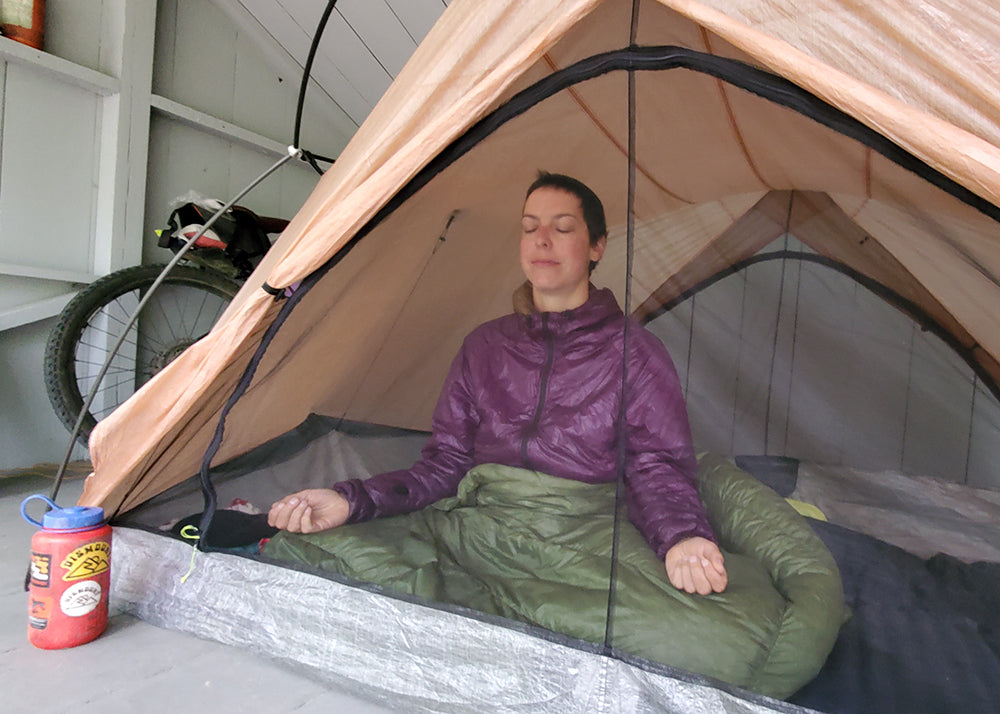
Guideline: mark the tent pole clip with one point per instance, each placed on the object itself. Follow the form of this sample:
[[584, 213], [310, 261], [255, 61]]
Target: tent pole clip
[[279, 293]]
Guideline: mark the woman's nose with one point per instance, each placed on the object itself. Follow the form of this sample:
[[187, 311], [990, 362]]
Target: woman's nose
[[542, 236]]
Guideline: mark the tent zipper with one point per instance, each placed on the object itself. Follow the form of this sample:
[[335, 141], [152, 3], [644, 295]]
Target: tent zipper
[[543, 386]]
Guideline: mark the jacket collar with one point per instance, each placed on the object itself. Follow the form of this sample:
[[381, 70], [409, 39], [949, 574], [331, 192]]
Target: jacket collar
[[600, 306]]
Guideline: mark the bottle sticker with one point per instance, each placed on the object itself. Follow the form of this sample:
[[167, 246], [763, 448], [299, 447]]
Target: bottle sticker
[[81, 598], [17, 12], [87, 561], [41, 568], [39, 612]]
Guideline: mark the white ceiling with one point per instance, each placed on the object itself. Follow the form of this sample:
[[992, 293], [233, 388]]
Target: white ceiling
[[363, 48]]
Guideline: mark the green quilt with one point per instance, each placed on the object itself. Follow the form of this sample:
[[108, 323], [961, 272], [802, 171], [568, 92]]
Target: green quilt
[[536, 548]]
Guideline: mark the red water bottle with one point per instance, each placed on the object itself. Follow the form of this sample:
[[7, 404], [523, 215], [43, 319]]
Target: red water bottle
[[70, 576]]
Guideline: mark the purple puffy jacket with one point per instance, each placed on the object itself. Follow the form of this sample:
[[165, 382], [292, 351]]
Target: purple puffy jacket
[[542, 391]]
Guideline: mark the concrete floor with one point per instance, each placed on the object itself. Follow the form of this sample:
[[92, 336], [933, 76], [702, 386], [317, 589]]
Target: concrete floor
[[133, 667]]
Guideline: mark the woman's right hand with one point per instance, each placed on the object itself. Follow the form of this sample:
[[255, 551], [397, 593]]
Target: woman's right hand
[[309, 511]]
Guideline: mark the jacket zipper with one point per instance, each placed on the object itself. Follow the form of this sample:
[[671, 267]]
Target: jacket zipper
[[543, 386]]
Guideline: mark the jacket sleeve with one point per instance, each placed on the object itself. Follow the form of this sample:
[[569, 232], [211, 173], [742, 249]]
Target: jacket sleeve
[[445, 458], [660, 466]]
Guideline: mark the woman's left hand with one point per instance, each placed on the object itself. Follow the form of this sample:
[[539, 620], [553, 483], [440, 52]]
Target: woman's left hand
[[696, 565]]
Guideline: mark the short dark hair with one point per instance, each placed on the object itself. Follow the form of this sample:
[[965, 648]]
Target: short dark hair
[[593, 209]]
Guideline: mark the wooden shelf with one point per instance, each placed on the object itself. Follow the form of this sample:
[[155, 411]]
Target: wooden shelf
[[27, 271], [219, 127], [69, 72], [33, 311]]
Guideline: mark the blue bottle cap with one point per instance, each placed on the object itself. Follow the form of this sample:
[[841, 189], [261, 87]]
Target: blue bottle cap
[[74, 518]]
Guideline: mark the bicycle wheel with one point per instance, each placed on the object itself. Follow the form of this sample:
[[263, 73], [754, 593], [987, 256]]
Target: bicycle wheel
[[182, 310]]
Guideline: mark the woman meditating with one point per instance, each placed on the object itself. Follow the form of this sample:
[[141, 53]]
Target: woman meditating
[[511, 509], [541, 389]]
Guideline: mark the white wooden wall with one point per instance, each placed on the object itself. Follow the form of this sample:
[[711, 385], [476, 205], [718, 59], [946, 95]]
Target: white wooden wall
[[854, 381], [98, 136]]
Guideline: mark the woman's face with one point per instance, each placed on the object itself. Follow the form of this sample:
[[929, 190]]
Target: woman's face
[[556, 250]]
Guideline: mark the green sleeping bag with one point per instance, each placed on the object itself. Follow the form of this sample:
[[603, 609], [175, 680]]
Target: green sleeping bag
[[537, 548]]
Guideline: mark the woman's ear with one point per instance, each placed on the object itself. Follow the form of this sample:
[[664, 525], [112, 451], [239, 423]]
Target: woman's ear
[[597, 250]]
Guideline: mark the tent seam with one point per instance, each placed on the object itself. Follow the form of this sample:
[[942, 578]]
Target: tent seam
[[791, 359], [607, 133], [868, 175], [972, 417], [732, 116]]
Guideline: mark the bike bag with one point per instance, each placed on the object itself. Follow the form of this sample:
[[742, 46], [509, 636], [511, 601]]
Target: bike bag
[[236, 233]]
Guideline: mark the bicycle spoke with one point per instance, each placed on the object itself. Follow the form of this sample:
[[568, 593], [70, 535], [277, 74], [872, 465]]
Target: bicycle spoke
[[106, 313], [114, 386], [166, 320], [102, 347], [201, 308], [110, 372]]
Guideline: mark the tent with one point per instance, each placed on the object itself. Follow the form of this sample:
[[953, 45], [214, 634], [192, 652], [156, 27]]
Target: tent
[[856, 147]]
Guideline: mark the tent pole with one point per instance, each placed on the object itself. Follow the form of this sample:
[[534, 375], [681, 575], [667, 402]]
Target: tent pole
[[622, 406], [777, 324]]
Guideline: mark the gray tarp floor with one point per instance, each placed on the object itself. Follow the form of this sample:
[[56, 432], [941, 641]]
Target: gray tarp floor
[[133, 666]]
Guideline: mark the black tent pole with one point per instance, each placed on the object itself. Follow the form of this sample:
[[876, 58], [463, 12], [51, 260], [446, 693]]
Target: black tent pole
[[306, 71], [622, 402]]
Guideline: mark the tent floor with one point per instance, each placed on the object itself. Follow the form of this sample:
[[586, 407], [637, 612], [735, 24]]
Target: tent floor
[[134, 664]]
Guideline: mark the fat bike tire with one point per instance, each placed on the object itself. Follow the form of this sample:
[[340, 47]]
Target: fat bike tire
[[181, 311]]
